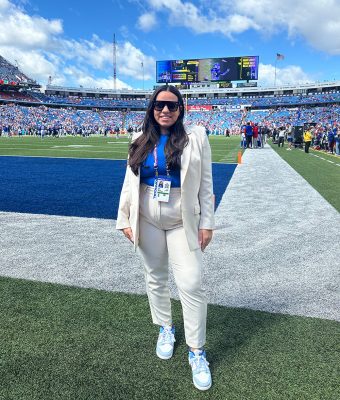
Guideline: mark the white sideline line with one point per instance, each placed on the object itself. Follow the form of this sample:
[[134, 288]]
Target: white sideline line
[[91, 158], [321, 158]]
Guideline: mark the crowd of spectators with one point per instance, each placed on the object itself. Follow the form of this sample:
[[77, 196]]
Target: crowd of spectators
[[269, 101], [275, 123], [325, 137], [90, 101], [11, 73], [11, 96], [218, 120], [22, 120], [224, 104], [274, 116]]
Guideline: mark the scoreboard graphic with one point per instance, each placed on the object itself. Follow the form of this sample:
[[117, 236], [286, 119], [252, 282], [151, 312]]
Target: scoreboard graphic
[[208, 69]]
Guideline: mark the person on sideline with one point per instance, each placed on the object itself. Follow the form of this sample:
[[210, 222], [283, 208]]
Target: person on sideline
[[255, 135], [289, 132], [307, 137], [249, 135], [337, 139], [331, 139], [282, 132], [166, 209]]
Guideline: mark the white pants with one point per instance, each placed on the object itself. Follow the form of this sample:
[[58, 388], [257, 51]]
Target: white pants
[[162, 240]]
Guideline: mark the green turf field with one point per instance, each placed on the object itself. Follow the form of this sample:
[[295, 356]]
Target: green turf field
[[58, 342], [223, 149], [320, 169]]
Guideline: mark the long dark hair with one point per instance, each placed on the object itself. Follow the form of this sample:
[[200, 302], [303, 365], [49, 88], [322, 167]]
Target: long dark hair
[[145, 143]]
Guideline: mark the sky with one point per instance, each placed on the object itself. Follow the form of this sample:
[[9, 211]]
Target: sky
[[71, 40]]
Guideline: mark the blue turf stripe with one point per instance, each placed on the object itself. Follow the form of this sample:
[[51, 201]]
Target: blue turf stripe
[[73, 187]]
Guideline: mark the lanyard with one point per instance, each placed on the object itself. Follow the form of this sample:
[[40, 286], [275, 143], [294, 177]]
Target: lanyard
[[155, 164]]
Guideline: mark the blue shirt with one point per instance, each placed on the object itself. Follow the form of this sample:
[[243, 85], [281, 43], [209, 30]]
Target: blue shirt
[[249, 130], [331, 136], [147, 170]]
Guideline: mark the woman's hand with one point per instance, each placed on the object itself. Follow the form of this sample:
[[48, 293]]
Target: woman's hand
[[204, 237], [128, 233]]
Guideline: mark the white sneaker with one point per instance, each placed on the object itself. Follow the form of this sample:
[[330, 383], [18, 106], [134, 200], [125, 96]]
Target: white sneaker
[[165, 342], [201, 376]]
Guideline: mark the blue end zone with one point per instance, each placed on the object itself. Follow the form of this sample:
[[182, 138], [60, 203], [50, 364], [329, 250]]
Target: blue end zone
[[73, 187]]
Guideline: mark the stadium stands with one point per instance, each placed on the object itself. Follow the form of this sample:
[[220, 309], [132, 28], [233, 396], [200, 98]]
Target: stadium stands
[[75, 111], [227, 102], [70, 119], [11, 74], [14, 96]]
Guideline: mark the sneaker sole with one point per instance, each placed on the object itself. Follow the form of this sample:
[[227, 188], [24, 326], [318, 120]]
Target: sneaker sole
[[202, 387], [163, 357]]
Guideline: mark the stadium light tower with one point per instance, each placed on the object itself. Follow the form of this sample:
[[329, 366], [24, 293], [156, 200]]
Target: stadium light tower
[[114, 62]]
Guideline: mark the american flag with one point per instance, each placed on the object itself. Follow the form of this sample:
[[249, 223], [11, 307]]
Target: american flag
[[280, 56]]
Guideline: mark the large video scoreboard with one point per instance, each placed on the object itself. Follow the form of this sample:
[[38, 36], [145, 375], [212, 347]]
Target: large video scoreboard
[[208, 69]]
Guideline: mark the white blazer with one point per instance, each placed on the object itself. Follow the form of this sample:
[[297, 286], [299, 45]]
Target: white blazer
[[197, 202]]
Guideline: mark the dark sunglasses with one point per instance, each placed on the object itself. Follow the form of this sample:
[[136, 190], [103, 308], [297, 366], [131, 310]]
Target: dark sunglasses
[[158, 105]]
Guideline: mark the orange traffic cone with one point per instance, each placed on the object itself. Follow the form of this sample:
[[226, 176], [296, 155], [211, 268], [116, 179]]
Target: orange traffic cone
[[239, 157]]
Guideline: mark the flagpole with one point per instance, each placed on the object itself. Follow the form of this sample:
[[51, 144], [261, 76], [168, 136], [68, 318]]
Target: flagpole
[[279, 56]]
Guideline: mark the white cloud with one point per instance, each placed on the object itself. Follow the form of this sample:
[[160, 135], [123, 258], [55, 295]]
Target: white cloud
[[33, 63], [317, 21], [132, 59], [127, 34], [41, 51], [292, 74], [146, 22], [200, 20], [95, 52], [240, 23], [83, 78], [23, 31]]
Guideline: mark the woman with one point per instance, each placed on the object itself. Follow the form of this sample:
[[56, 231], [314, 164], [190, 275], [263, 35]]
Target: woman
[[166, 209]]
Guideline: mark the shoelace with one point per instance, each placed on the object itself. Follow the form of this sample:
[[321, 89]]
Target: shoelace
[[167, 336], [199, 363]]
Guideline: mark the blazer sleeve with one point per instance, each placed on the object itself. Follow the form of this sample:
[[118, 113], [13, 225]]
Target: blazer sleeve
[[205, 194], [124, 203], [123, 217]]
